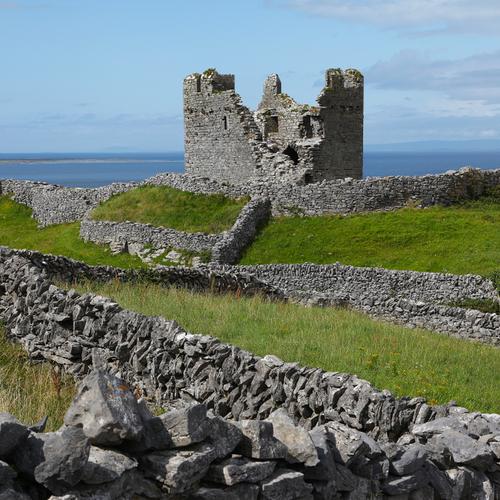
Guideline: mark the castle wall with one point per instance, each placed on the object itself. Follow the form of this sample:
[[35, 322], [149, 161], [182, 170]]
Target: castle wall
[[219, 131], [340, 154]]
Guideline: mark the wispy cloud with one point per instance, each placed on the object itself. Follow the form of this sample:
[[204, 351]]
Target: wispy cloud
[[423, 16], [422, 97], [464, 87]]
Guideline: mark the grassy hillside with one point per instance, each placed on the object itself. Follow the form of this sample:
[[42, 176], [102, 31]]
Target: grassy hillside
[[459, 239], [169, 207], [408, 362], [19, 230], [31, 391]]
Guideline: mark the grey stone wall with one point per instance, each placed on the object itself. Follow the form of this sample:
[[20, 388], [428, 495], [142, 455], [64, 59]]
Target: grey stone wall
[[381, 445], [113, 447], [230, 247], [225, 247], [56, 204], [106, 232], [52, 204], [350, 196], [371, 282], [413, 307]]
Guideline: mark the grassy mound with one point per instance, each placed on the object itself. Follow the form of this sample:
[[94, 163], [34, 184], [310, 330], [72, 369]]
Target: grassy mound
[[459, 239], [30, 391], [408, 362], [169, 207], [19, 230]]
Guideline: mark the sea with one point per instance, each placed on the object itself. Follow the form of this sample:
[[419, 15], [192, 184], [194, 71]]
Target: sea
[[99, 169]]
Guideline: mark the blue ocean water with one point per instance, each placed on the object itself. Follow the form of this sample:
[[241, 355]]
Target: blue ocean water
[[92, 170]]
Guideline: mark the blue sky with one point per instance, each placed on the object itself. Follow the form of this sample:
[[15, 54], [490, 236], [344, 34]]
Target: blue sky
[[99, 75]]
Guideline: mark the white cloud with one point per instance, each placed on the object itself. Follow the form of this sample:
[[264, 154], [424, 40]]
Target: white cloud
[[455, 87], [426, 16]]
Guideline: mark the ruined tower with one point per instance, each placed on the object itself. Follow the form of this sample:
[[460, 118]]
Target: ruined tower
[[283, 140]]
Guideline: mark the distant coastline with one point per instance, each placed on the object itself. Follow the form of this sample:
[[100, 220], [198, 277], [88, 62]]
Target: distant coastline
[[98, 169]]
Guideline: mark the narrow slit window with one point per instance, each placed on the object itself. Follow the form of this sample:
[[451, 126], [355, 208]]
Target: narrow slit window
[[224, 121], [198, 84]]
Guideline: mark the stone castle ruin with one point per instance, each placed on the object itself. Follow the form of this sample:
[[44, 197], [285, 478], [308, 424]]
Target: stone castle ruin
[[282, 140]]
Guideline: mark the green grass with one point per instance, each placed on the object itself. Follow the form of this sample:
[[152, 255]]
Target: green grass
[[169, 207], [460, 239], [407, 362], [19, 230], [31, 391]]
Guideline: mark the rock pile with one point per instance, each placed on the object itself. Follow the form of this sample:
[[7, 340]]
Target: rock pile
[[112, 447]]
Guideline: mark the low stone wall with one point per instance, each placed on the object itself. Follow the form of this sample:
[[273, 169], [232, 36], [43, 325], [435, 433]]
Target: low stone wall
[[349, 195], [321, 286], [225, 247], [126, 233], [254, 215], [113, 447], [378, 445], [371, 282], [55, 204]]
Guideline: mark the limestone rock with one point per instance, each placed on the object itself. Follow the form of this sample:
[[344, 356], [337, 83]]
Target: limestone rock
[[54, 459], [286, 484], [240, 470], [7, 473], [462, 449], [238, 492], [187, 425], [410, 460], [224, 436], [179, 470], [325, 470], [12, 433], [106, 465], [299, 444], [438, 426], [106, 410], [259, 442]]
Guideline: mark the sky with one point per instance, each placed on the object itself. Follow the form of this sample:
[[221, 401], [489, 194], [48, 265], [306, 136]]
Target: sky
[[106, 75]]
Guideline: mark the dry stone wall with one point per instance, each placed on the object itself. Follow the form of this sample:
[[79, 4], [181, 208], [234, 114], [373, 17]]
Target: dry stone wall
[[113, 447], [56, 204], [52, 204], [414, 305], [350, 195], [127, 233], [353, 441], [225, 247]]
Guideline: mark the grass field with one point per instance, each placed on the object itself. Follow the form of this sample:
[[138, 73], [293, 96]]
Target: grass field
[[408, 362], [29, 391], [19, 230], [169, 207], [459, 239]]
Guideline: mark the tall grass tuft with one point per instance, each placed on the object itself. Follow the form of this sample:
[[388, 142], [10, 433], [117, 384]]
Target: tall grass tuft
[[30, 391]]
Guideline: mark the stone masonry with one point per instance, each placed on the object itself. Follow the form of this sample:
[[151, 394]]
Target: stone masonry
[[282, 140], [274, 430]]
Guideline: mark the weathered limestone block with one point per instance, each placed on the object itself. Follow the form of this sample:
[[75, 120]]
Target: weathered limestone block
[[285, 484], [54, 459], [179, 471], [106, 410], [106, 465], [239, 469], [186, 426], [297, 440], [259, 442], [12, 434]]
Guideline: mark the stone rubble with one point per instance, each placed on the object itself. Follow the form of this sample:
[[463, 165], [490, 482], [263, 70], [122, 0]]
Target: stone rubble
[[251, 463], [326, 434]]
